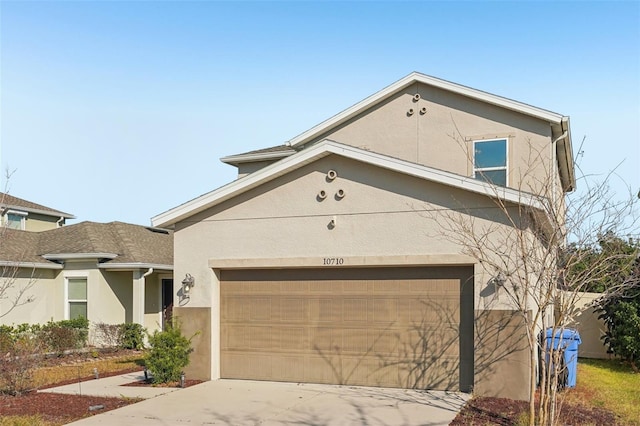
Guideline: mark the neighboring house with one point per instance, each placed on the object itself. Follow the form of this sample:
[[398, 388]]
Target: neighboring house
[[324, 262], [16, 213], [106, 272]]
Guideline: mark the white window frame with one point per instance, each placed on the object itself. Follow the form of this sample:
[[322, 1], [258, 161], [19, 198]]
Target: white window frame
[[491, 169], [75, 276], [23, 220]]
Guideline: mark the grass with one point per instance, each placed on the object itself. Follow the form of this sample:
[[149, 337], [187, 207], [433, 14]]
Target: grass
[[608, 384], [23, 421], [50, 375]]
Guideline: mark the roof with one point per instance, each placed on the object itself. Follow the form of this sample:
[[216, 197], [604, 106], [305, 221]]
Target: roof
[[321, 150], [271, 153], [10, 202], [559, 123], [114, 244]]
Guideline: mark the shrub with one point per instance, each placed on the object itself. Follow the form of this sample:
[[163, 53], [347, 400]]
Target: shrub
[[23, 355], [621, 317], [132, 336], [109, 335], [168, 355], [66, 334]]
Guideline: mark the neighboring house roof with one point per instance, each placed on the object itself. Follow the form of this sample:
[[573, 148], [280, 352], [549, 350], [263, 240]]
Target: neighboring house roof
[[9, 202], [20, 248], [559, 123], [116, 245], [324, 149]]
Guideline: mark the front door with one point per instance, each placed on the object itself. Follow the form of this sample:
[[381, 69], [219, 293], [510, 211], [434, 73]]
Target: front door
[[167, 301]]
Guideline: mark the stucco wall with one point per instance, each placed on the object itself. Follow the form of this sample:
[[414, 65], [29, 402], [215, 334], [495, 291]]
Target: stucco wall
[[591, 329], [442, 137], [383, 213], [44, 292], [384, 218], [38, 222]]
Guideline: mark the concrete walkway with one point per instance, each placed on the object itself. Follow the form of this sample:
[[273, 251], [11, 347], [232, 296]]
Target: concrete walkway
[[112, 386], [245, 402]]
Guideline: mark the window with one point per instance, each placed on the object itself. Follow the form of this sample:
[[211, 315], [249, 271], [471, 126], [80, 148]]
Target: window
[[77, 297], [15, 220], [490, 161]]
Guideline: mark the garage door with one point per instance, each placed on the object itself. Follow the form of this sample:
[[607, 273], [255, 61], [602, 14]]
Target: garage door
[[389, 327]]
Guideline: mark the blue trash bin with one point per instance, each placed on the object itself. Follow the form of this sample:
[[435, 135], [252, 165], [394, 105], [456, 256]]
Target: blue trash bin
[[569, 339]]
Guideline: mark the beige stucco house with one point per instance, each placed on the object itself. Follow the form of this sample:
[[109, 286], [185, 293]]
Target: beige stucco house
[[17, 213], [323, 262], [106, 272]]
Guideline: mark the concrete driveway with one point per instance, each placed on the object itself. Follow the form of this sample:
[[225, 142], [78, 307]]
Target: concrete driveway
[[245, 402]]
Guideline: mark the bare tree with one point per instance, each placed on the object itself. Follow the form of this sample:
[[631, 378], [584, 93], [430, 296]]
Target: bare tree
[[523, 251], [17, 276]]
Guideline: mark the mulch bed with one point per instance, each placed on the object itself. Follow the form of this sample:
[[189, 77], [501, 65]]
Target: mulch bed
[[507, 412], [58, 408]]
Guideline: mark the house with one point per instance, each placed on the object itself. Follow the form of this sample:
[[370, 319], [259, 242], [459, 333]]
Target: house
[[16, 213], [324, 261], [106, 272]]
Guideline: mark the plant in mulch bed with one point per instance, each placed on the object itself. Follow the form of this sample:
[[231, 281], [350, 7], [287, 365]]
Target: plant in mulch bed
[[169, 354], [21, 356]]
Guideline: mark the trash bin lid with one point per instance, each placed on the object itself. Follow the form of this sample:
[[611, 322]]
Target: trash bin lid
[[568, 334]]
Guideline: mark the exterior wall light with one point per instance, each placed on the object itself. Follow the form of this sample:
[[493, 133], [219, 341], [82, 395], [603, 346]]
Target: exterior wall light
[[188, 283]]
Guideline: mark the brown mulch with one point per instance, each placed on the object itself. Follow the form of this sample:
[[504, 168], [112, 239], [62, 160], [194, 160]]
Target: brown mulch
[[62, 408], [507, 412], [58, 408]]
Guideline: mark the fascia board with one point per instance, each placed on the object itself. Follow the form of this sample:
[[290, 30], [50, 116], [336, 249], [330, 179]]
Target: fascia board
[[415, 77], [323, 149], [135, 265], [236, 187], [33, 265], [19, 209], [78, 256], [238, 159], [438, 176]]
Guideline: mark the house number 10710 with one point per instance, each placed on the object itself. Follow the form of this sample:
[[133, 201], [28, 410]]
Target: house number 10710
[[333, 261]]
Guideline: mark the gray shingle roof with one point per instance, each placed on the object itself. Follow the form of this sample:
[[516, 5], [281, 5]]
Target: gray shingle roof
[[131, 243], [10, 202]]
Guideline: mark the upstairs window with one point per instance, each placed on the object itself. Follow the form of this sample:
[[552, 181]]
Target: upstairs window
[[15, 220], [490, 161]]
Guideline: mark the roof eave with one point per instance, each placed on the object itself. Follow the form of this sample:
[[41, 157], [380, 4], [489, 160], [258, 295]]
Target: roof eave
[[325, 148], [38, 211], [416, 77], [235, 160], [31, 265], [78, 256], [135, 265]]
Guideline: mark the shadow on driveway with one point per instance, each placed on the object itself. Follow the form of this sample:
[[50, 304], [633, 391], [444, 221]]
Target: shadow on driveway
[[245, 402]]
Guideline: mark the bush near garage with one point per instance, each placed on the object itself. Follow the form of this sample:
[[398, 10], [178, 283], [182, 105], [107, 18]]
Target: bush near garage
[[168, 354]]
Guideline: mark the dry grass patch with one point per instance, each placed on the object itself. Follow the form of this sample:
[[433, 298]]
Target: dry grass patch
[[47, 376], [608, 384]]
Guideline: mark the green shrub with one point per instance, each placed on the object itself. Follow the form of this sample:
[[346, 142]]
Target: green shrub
[[66, 334], [168, 355], [132, 336], [621, 317]]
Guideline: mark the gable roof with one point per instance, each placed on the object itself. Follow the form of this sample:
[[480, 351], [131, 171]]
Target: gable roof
[[321, 150], [559, 123], [115, 244], [9, 202]]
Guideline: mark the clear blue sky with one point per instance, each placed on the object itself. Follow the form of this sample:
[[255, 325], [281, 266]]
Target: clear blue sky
[[121, 110]]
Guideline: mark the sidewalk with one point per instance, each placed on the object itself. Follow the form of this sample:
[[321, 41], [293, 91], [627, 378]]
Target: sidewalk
[[112, 387]]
